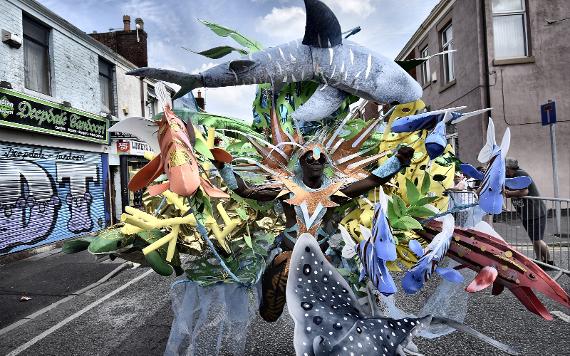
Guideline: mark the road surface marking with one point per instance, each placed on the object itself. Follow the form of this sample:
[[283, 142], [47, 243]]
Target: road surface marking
[[561, 315], [74, 316]]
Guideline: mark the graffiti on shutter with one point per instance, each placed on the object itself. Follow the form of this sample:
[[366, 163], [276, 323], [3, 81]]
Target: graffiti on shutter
[[48, 194]]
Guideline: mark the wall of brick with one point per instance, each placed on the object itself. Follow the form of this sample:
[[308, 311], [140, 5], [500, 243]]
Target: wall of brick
[[127, 44], [12, 59]]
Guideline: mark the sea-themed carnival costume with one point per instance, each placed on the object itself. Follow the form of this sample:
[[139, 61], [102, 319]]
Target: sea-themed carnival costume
[[313, 208]]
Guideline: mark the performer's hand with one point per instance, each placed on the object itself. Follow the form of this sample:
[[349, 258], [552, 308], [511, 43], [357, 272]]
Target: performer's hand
[[405, 154]]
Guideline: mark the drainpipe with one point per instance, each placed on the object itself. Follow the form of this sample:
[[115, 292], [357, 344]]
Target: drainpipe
[[486, 80], [143, 114]]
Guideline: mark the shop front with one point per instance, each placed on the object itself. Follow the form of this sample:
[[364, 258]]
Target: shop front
[[49, 193], [125, 160]]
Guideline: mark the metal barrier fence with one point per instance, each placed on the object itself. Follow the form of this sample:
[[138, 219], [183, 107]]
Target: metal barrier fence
[[524, 221]]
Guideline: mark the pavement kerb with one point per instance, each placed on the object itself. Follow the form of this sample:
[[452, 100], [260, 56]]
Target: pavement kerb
[[34, 315]]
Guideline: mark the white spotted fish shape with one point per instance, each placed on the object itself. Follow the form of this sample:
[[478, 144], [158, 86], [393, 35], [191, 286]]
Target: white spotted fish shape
[[326, 314]]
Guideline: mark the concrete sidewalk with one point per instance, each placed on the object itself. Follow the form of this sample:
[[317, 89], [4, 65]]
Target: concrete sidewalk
[[46, 278]]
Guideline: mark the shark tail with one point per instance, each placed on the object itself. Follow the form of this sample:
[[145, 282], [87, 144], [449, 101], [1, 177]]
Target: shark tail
[[187, 82], [531, 302]]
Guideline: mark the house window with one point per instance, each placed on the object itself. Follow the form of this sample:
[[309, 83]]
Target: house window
[[106, 86], [152, 101], [424, 68], [447, 44], [36, 56], [509, 29]]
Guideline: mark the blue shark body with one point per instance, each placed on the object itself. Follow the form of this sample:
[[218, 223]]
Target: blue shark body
[[341, 68]]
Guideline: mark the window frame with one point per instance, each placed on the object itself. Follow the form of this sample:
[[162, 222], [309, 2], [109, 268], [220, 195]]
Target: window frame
[[525, 24], [425, 71], [111, 77], [45, 45], [448, 57]]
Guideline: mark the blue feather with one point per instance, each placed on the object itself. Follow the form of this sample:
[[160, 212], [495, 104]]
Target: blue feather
[[384, 242]]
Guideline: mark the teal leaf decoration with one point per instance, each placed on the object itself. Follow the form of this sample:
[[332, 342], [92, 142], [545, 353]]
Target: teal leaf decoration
[[222, 31], [407, 223], [412, 192], [218, 52]]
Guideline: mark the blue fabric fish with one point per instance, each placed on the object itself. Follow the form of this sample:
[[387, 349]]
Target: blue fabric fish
[[493, 182], [421, 272], [435, 121], [372, 266]]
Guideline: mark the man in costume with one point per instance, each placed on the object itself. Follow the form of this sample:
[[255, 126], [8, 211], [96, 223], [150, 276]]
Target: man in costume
[[311, 183]]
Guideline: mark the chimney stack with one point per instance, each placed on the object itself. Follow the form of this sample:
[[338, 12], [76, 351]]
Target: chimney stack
[[126, 23], [200, 101], [140, 23]]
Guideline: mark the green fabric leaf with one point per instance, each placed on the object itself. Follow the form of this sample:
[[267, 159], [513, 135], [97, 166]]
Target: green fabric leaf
[[223, 122], [426, 200], [420, 212], [78, 245], [407, 223], [242, 213], [391, 212], [412, 191], [399, 206], [222, 31], [426, 182], [202, 148], [247, 240], [218, 52]]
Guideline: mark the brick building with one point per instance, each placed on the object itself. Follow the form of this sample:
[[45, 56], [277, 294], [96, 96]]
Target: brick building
[[511, 55], [61, 173]]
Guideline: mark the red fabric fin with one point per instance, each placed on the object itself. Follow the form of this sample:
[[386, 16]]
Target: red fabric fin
[[531, 302], [147, 174], [498, 288], [212, 191], [158, 188], [484, 279], [221, 155]]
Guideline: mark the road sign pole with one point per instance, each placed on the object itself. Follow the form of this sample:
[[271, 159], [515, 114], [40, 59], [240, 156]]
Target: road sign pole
[[555, 174]]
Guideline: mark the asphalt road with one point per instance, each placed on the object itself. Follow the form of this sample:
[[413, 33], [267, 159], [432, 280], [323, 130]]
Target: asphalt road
[[131, 315]]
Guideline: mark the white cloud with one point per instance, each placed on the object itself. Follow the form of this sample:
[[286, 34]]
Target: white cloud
[[234, 102], [203, 67], [286, 23], [357, 7]]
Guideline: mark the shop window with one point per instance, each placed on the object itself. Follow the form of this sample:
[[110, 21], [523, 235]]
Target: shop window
[[36, 55], [510, 35], [424, 68], [447, 44], [106, 86]]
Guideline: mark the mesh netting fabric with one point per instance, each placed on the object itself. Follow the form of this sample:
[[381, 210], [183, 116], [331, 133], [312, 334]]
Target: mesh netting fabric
[[210, 320]]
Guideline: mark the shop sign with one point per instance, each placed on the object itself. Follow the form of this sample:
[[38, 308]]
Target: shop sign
[[132, 147], [27, 113]]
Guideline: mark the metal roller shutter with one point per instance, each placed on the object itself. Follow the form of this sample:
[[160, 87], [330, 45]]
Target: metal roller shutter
[[49, 194]]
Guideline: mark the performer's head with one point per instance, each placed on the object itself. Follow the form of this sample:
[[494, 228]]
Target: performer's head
[[312, 164]]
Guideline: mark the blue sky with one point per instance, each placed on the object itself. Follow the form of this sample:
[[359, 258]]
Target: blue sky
[[172, 24]]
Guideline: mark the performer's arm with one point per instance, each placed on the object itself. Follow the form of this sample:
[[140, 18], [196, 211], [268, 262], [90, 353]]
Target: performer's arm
[[382, 174], [516, 193], [236, 183]]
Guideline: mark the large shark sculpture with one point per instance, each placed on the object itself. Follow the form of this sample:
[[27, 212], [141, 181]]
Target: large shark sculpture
[[341, 68]]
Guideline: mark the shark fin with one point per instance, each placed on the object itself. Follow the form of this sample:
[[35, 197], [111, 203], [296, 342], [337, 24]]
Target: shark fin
[[484, 278], [322, 28], [187, 82], [518, 182], [531, 302], [241, 65], [323, 103], [506, 143], [487, 151]]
